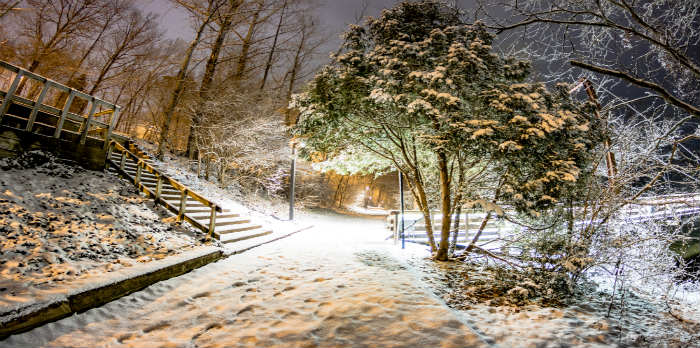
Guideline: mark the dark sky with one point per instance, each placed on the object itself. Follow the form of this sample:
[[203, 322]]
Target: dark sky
[[335, 16]]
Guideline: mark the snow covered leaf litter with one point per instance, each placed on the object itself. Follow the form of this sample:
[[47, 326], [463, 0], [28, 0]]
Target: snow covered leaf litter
[[62, 226]]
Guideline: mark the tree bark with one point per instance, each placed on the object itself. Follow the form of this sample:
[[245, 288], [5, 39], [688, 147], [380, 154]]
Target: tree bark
[[268, 65], [246, 44], [208, 77], [445, 202], [180, 84]]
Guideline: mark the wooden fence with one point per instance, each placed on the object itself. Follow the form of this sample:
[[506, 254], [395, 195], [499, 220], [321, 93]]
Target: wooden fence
[[30, 102]]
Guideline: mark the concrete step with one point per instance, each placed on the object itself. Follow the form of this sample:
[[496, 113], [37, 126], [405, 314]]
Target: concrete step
[[237, 228], [230, 221], [205, 216], [237, 237]]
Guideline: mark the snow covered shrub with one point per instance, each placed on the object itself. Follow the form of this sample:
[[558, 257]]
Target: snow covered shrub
[[243, 138]]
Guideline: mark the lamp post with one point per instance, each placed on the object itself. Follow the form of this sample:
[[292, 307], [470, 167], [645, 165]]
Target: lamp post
[[403, 237], [291, 181]]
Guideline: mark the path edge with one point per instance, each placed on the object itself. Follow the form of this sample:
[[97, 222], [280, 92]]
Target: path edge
[[83, 301], [92, 298]]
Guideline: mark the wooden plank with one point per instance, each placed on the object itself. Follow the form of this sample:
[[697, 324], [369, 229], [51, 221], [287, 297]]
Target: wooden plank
[[10, 93], [35, 109], [61, 120], [8, 66]]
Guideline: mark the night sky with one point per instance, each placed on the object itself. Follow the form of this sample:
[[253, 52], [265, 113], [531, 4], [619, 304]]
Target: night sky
[[335, 16]]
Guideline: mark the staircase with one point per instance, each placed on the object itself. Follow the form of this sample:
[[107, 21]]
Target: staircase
[[222, 224]]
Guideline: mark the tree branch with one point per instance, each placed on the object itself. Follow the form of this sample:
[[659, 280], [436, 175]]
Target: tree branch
[[662, 92]]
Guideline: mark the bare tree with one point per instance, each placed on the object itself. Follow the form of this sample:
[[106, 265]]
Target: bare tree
[[131, 38], [653, 46], [52, 26], [208, 16], [225, 23], [7, 6]]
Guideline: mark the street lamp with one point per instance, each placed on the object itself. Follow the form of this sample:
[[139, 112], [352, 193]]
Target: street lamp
[[291, 180], [403, 237]]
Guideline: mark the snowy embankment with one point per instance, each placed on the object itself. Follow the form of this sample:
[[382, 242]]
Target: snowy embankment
[[65, 229]]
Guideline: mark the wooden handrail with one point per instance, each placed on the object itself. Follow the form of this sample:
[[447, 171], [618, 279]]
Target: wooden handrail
[[171, 181], [184, 190], [21, 75]]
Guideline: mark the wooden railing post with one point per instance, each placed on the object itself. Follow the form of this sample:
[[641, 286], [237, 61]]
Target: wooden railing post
[[212, 221], [10, 93], [183, 201], [35, 109], [84, 133], [64, 114], [137, 180], [159, 186], [112, 122], [121, 162], [110, 148]]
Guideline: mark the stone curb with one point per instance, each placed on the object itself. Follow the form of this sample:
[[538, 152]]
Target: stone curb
[[236, 252], [86, 300], [89, 299]]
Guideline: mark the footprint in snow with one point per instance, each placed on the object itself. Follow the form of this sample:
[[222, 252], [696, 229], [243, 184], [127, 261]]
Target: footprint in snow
[[157, 326], [203, 294]]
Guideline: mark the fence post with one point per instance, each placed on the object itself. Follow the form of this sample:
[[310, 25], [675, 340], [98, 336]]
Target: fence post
[[159, 185], [84, 133], [112, 122], [64, 114], [212, 221], [37, 104], [183, 200], [137, 180], [10, 93], [121, 162]]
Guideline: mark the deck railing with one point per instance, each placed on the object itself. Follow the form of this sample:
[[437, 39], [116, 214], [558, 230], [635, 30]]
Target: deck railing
[[31, 91], [185, 192]]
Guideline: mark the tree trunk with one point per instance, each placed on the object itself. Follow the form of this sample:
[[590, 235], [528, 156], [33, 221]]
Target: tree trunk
[[268, 65], [246, 44], [457, 206], [180, 86], [445, 203], [208, 77], [418, 192]]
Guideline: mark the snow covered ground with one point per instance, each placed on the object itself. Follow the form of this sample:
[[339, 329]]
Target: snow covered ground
[[62, 227], [583, 322], [342, 284], [335, 285]]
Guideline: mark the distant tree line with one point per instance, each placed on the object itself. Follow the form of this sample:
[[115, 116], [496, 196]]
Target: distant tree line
[[184, 95]]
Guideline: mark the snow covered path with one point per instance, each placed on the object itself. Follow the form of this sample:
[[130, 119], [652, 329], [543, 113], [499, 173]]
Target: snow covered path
[[334, 285]]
